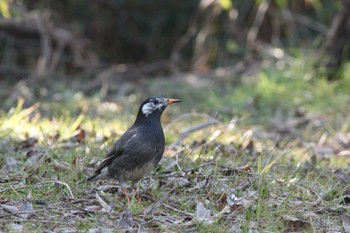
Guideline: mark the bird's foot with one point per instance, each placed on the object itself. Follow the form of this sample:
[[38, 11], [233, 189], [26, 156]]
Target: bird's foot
[[138, 197], [126, 193], [127, 196]]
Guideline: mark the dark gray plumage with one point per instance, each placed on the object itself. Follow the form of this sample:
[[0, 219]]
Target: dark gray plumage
[[139, 150]]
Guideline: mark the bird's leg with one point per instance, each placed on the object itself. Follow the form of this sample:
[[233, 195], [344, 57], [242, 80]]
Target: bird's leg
[[125, 191], [138, 197], [136, 187]]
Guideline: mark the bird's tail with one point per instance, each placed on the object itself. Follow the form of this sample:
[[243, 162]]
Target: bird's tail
[[94, 176], [98, 175]]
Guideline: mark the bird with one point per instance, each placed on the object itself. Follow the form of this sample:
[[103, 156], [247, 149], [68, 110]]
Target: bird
[[139, 149]]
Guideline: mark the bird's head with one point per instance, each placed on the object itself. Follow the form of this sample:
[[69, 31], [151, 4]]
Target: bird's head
[[156, 105], [153, 107]]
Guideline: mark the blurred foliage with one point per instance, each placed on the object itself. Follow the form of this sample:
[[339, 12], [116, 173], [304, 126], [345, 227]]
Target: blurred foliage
[[120, 31], [4, 8], [123, 31]]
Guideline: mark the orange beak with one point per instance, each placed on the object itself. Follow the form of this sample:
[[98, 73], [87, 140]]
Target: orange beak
[[172, 101]]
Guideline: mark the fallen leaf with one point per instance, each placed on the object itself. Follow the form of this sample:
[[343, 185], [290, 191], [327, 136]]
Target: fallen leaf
[[14, 227], [27, 143], [79, 135], [92, 208], [98, 230], [9, 208], [108, 188], [61, 165], [179, 182], [295, 224], [202, 213], [11, 165], [342, 176], [104, 205], [126, 220], [346, 223], [221, 203], [78, 163], [34, 157], [26, 209]]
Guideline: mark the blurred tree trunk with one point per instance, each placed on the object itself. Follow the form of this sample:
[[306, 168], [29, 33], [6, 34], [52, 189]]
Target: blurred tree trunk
[[337, 45]]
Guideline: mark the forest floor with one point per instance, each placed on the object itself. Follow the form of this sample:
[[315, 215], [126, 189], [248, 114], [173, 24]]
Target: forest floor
[[265, 152]]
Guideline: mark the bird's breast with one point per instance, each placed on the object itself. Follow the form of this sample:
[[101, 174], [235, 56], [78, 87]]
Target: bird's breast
[[138, 172]]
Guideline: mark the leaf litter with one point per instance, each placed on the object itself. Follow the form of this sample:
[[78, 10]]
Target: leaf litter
[[184, 193]]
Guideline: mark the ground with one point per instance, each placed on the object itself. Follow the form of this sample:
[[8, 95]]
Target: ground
[[264, 152]]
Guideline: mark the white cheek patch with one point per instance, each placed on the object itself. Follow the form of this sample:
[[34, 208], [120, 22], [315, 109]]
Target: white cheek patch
[[148, 108]]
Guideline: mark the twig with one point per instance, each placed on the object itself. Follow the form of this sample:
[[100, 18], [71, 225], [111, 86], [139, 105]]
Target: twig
[[42, 183], [186, 116], [104, 205], [177, 210], [194, 128], [18, 213], [67, 186], [32, 220], [152, 207]]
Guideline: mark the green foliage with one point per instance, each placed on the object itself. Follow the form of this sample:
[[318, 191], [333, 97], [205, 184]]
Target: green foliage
[[4, 8], [226, 4]]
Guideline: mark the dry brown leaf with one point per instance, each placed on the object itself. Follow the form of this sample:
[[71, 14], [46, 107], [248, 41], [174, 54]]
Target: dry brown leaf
[[34, 158], [79, 135], [295, 224], [221, 203], [78, 163], [27, 143]]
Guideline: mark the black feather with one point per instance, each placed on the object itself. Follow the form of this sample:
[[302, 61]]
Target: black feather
[[139, 149]]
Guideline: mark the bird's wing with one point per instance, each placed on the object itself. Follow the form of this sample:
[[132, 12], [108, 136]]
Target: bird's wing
[[145, 146], [115, 152]]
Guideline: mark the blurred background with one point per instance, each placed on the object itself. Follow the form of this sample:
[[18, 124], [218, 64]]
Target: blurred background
[[222, 54], [261, 139]]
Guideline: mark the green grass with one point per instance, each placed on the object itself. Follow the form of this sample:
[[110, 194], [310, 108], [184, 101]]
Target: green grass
[[275, 169]]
